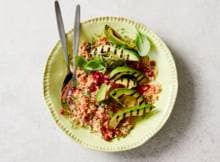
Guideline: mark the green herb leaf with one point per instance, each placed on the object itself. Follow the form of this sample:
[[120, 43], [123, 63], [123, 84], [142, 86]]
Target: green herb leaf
[[80, 61], [92, 65], [95, 65], [143, 44]]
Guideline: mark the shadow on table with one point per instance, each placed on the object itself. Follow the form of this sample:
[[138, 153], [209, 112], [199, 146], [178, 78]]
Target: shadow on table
[[179, 120]]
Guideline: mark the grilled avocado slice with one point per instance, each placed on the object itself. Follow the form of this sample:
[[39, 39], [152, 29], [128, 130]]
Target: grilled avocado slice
[[127, 97], [118, 72], [127, 82], [129, 111], [101, 94], [117, 39], [112, 52]]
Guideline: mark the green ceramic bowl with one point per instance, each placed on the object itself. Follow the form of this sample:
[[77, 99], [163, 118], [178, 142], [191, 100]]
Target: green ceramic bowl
[[145, 128]]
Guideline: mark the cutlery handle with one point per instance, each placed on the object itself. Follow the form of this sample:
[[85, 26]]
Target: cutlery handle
[[62, 34], [76, 37]]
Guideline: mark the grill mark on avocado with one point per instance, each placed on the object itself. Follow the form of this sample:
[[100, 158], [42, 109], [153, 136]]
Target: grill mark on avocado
[[139, 75], [121, 79], [133, 73], [131, 112], [114, 93], [142, 102], [138, 111], [115, 76], [141, 79], [143, 111], [108, 50], [95, 51], [121, 54], [138, 97], [102, 49], [115, 51], [136, 74], [112, 78], [120, 96], [133, 93], [128, 82], [128, 57]]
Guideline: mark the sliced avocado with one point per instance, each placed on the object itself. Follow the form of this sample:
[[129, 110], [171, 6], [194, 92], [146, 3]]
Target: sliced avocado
[[111, 51], [127, 82], [127, 97], [127, 112], [117, 39], [101, 94], [118, 72]]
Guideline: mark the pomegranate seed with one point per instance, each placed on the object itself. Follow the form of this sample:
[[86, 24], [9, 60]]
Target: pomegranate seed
[[96, 81], [107, 137], [74, 89], [107, 133], [103, 129], [146, 70], [152, 63], [105, 79], [62, 111], [105, 76], [150, 73], [96, 75], [93, 87], [142, 88]]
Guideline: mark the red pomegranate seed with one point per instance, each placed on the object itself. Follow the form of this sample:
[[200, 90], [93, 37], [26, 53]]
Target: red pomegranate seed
[[103, 129], [150, 73], [146, 69], [62, 111], [142, 88], [74, 89], [107, 133], [106, 81], [105, 76], [93, 87], [107, 137], [152, 63]]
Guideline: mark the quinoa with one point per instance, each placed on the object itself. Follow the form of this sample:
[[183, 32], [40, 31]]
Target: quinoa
[[86, 112]]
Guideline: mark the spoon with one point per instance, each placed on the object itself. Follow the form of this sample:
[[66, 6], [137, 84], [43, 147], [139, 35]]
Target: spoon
[[70, 79]]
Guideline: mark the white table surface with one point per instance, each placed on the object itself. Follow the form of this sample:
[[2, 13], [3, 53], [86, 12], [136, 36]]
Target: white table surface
[[191, 28]]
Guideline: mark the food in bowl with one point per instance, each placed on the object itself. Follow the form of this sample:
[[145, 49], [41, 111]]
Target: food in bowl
[[115, 84]]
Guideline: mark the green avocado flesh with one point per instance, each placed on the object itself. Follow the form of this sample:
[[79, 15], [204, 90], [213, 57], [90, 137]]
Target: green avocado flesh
[[101, 94], [127, 97], [129, 111], [118, 72], [117, 39], [126, 82], [111, 51]]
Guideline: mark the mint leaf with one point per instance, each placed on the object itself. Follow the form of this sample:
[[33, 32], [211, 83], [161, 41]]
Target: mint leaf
[[80, 61], [143, 44], [95, 65]]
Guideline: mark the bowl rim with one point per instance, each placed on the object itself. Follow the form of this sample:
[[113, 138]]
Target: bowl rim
[[171, 102]]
